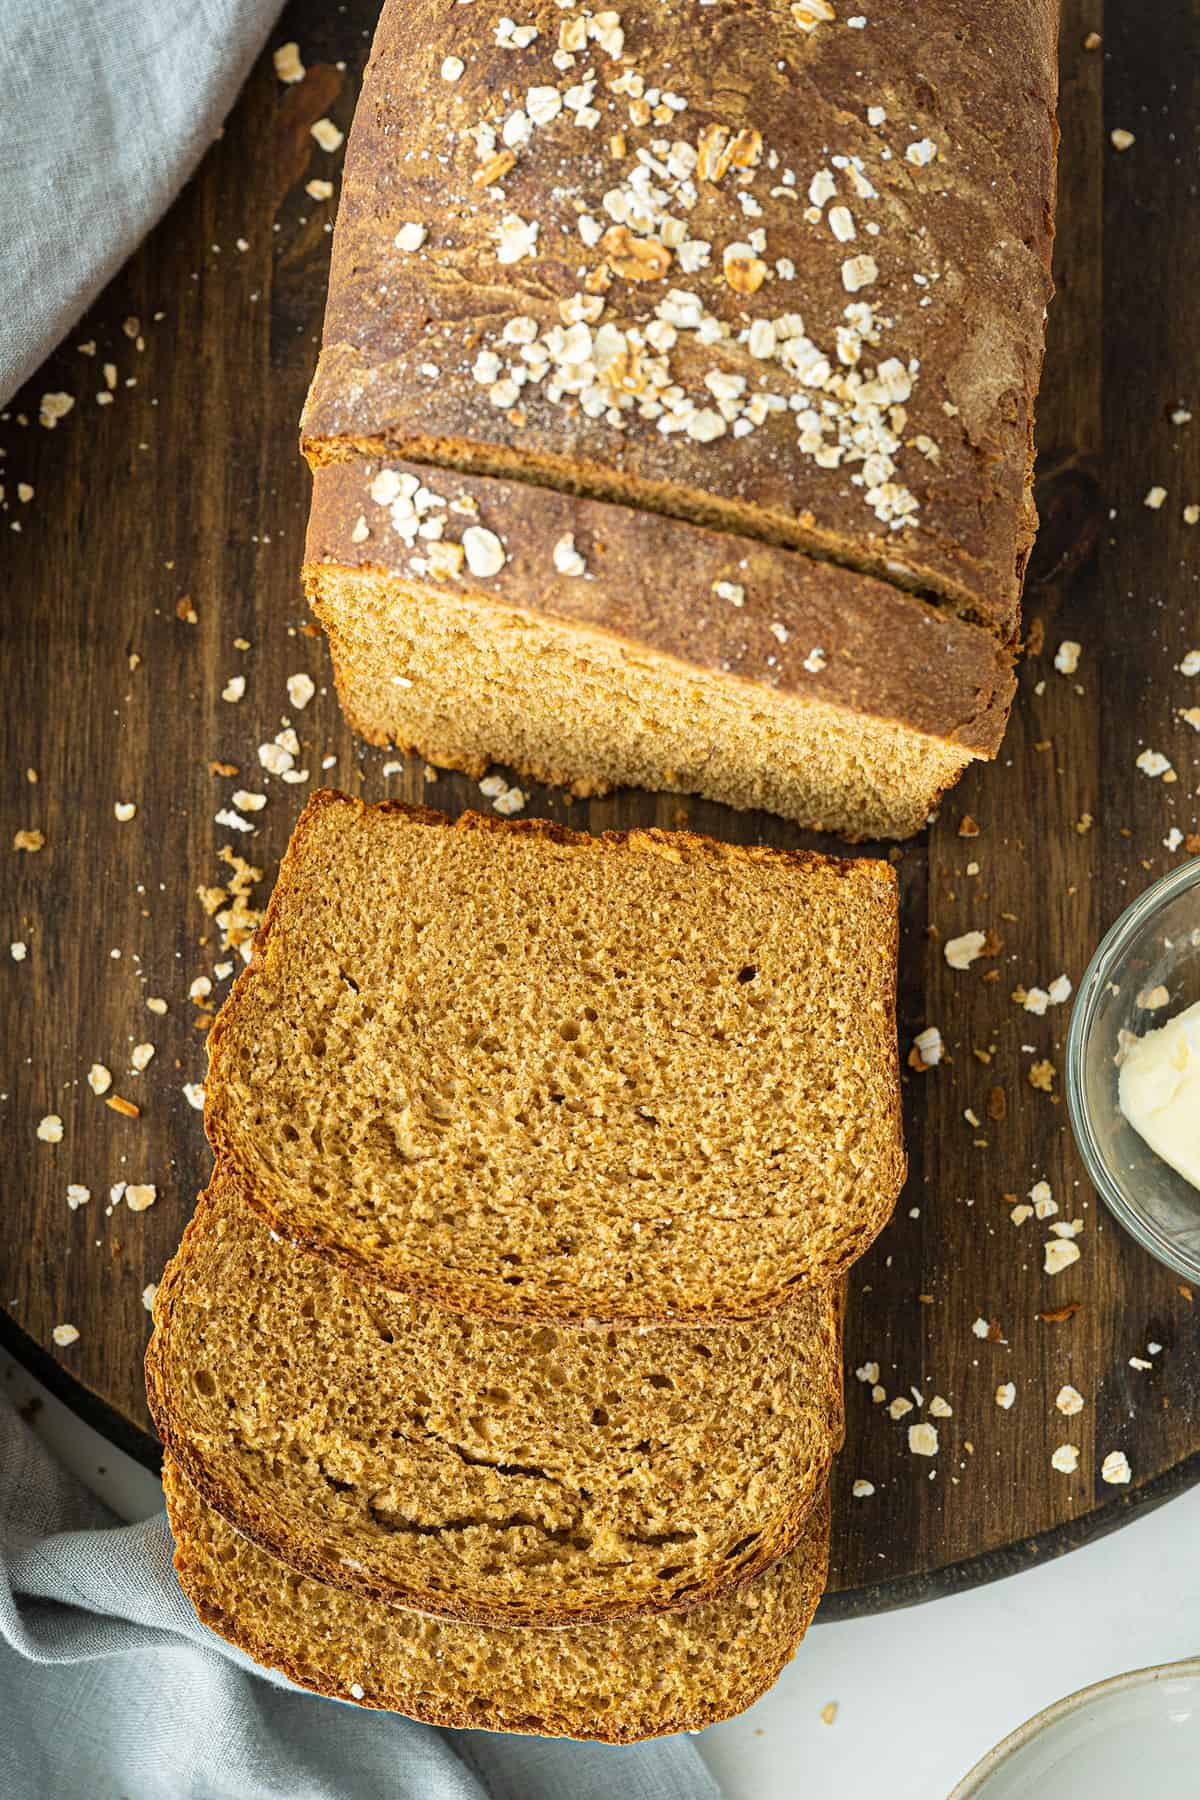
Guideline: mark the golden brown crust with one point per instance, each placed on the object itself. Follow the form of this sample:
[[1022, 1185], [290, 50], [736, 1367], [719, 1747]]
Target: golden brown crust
[[962, 247], [275, 1651], [743, 609], [500, 1304], [263, 1525]]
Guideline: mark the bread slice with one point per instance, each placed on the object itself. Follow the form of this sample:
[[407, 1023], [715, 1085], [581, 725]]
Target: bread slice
[[508, 1474], [644, 652], [551, 267], [617, 1682], [533, 1074]]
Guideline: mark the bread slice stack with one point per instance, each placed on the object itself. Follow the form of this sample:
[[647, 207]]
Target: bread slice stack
[[499, 1370], [673, 422]]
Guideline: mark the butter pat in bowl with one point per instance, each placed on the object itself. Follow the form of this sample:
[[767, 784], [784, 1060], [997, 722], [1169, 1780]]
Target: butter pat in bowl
[[1133, 1069]]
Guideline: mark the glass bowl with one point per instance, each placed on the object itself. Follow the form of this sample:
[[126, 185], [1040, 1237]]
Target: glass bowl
[[1155, 942]]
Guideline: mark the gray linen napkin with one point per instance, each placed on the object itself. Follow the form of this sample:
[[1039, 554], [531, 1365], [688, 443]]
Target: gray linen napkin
[[108, 105], [111, 1689]]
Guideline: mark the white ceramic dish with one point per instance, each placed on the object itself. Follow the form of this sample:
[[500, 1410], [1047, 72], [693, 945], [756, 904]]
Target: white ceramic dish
[[1133, 1735]]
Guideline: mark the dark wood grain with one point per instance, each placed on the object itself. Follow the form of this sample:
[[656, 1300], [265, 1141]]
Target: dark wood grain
[[189, 484]]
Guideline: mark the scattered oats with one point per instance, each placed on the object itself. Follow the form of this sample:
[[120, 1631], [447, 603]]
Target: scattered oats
[[124, 811], [981, 1327], [234, 688], [1059, 990], [246, 802], [1191, 514], [361, 532], [141, 1055], [288, 66], [1020, 1213], [515, 238], [1006, 1393], [452, 68], [409, 237], [1044, 1203], [275, 759], [200, 989], [1069, 1400], [862, 1490], [78, 1195], [929, 1046], [357, 1690], [232, 821], [1065, 1459], [808, 14], [1154, 763], [53, 408], [859, 272], [148, 1293], [960, 952], [868, 1372], [899, 1406], [327, 134], [567, 559], [484, 551], [923, 1439], [1115, 1468], [64, 1335], [1154, 498], [193, 1093], [156, 1006], [301, 689], [733, 591], [829, 1712], [138, 1196], [1060, 1254], [50, 1129], [319, 190], [941, 1409], [1121, 139], [920, 153], [814, 662], [18, 951], [1066, 657], [99, 1079], [24, 492], [29, 841]]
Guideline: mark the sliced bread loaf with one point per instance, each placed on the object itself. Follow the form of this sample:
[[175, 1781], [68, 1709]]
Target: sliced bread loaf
[[530, 1073], [618, 1682], [503, 1473], [611, 648]]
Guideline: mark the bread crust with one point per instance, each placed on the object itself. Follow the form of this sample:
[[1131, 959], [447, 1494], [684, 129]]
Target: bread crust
[[449, 1293], [973, 225], [543, 1722], [795, 626]]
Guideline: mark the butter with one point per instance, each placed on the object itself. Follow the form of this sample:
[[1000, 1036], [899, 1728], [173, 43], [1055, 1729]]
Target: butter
[[1159, 1091]]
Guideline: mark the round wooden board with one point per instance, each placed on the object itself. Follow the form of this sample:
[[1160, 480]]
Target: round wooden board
[[168, 525]]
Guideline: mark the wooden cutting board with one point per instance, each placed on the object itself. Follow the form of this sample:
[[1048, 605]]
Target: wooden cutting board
[[157, 560]]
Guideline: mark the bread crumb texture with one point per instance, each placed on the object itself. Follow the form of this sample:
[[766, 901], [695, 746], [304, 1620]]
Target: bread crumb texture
[[534, 1074], [616, 1682], [508, 1473]]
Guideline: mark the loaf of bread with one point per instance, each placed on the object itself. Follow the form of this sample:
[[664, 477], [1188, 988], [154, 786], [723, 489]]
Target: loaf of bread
[[533, 1074], [616, 1681], [775, 270], [504, 1474]]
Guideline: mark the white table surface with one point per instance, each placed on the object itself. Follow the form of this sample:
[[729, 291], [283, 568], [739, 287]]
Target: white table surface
[[920, 1694]]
